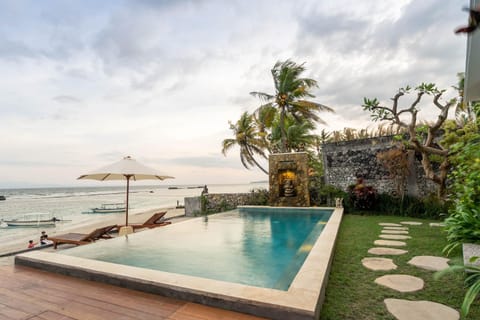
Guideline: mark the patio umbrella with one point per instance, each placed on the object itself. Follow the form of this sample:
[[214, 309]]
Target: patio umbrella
[[125, 169]]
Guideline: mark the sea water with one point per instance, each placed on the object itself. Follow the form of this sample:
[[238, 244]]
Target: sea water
[[69, 204]]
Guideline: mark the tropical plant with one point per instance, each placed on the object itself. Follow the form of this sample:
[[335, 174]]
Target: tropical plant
[[472, 281], [246, 136], [463, 224], [299, 136], [291, 90]]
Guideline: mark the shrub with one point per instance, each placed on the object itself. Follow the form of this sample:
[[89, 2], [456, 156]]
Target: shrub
[[259, 197], [361, 196], [463, 225]]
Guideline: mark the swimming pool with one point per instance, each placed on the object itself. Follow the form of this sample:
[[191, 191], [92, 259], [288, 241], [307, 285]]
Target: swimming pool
[[255, 260], [248, 246]]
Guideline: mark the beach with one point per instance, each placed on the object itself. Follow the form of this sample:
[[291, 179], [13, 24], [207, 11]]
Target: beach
[[21, 243]]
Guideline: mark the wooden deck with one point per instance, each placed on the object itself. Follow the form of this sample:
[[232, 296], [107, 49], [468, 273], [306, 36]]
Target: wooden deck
[[27, 293]]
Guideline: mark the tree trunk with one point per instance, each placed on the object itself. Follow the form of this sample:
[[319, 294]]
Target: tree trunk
[[255, 161], [282, 130]]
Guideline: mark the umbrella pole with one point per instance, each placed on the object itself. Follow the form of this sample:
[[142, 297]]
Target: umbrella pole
[[126, 209]]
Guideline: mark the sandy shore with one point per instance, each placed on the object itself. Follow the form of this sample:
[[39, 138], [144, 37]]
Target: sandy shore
[[21, 243]]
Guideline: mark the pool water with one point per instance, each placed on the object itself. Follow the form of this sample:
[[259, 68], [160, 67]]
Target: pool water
[[258, 247]]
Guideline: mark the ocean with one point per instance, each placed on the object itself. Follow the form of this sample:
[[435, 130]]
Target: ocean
[[69, 204]]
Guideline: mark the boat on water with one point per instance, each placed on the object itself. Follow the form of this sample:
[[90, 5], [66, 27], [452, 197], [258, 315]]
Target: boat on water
[[3, 198], [36, 219], [109, 208]]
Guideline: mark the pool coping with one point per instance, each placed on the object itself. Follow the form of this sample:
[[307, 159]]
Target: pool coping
[[303, 299]]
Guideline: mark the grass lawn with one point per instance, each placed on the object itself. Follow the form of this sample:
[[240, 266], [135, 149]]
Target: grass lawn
[[351, 291]]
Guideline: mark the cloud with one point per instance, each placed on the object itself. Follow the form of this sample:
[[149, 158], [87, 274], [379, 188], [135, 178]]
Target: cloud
[[90, 82], [66, 99]]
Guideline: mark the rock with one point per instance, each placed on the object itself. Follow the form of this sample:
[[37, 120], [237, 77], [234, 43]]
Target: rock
[[420, 310], [392, 243], [400, 282], [376, 264], [386, 251], [394, 237], [429, 262]]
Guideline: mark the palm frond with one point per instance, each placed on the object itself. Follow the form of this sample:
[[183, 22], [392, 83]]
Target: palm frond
[[262, 95]]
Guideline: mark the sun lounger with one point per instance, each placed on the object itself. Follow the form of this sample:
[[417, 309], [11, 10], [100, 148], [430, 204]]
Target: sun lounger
[[156, 220], [82, 238]]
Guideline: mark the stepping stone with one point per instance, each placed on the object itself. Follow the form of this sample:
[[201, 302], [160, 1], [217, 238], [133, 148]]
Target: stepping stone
[[394, 231], [437, 224], [386, 224], [411, 223], [420, 310], [392, 243], [394, 237], [386, 251], [429, 262], [395, 228], [400, 282], [379, 264]]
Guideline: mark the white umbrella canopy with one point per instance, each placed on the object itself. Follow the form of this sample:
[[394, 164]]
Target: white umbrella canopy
[[125, 169]]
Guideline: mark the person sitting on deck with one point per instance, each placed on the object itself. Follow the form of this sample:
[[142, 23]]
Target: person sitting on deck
[[44, 239]]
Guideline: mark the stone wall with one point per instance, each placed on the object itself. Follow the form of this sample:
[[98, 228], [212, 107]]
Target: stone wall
[[288, 179], [346, 160], [218, 202]]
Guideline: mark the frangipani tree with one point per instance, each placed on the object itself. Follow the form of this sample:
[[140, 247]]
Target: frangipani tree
[[421, 138]]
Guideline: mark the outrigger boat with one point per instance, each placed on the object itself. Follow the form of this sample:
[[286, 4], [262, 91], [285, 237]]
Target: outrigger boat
[[37, 219], [109, 208]]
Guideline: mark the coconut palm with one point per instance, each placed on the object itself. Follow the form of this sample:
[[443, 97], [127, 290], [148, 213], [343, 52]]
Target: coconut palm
[[290, 92], [299, 134], [248, 139]]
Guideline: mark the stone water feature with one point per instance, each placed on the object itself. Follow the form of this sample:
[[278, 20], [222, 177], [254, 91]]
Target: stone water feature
[[289, 180]]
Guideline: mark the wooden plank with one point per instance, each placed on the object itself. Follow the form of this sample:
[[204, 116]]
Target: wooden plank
[[197, 311], [9, 313], [50, 315], [39, 295]]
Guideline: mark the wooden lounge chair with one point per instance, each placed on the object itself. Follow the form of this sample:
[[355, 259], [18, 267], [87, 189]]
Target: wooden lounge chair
[[82, 238], [156, 220]]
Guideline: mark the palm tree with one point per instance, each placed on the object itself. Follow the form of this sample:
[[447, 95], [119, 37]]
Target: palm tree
[[299, 136], [290, 92], [248, 139]]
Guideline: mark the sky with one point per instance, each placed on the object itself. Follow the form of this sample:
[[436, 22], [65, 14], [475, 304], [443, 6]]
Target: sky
[[85, 83]]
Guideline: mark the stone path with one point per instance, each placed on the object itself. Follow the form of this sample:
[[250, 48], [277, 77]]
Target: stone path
[[401, 282], [411, 223], [437, 224], [385, 224], [379, 264], [420, 310], [389, 231], [394, 237], [429, 262], [392, 243], [395, 228], [399, 308], [386, 251]]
